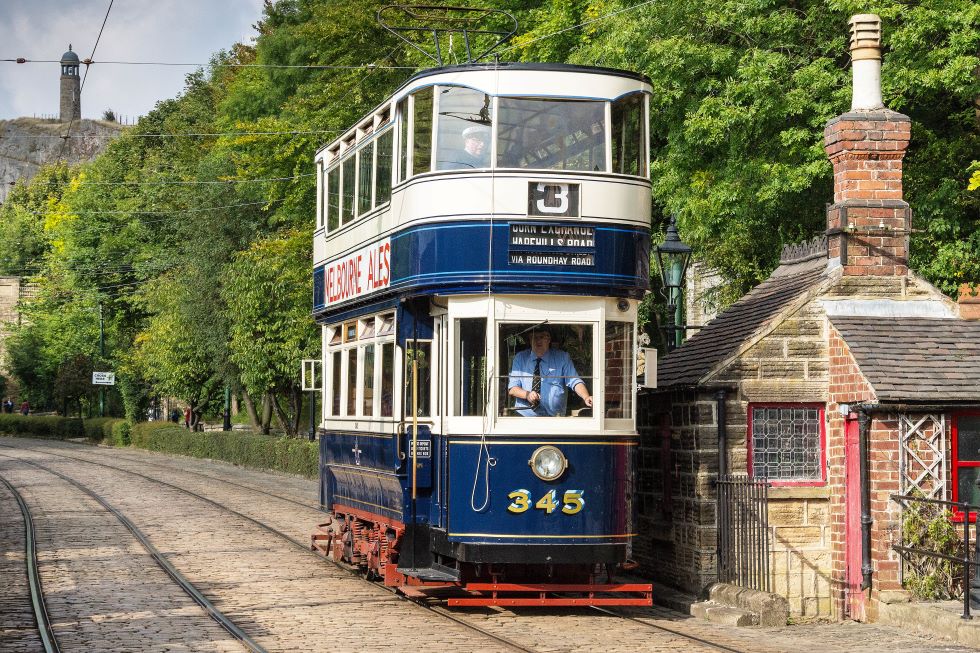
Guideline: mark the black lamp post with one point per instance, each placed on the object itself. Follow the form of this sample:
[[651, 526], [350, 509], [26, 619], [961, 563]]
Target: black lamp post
[[672, 258]]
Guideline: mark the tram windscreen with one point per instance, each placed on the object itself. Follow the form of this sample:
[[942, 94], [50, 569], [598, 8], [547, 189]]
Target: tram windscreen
[[464, 129], [553, 386], [551, 134]]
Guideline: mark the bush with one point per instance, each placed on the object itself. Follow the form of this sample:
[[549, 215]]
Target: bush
[[283, 454], [930, 527], [41, 426]]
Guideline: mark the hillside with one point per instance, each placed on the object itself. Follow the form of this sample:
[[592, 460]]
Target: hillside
[[28, 143]]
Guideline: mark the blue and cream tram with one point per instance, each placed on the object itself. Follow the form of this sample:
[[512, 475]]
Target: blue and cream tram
[[437, 261]]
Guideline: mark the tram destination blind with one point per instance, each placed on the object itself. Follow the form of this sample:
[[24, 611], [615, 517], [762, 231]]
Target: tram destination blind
[[552, 245]]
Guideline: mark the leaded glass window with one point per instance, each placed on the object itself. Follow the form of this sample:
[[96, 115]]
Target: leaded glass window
[[787, 442]]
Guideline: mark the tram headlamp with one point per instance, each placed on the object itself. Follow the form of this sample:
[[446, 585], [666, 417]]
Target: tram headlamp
[[548, 463]]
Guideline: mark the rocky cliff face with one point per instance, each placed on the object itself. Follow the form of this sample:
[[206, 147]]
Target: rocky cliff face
[[28, 143]]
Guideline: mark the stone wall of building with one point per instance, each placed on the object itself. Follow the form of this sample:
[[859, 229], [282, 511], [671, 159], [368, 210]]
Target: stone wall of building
[[788, 365], [678, 464]]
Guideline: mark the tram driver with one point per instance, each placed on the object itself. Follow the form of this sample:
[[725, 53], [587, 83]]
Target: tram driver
[[539, 378]]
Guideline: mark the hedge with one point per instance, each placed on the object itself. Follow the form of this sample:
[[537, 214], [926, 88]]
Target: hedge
[[290, 455], [111, 430], [41, 426]]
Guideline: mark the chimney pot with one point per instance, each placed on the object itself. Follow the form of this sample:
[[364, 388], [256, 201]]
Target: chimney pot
[[866, 62]]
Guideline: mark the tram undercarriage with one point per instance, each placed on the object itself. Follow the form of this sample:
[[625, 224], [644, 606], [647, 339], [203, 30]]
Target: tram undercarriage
[[374, 546]]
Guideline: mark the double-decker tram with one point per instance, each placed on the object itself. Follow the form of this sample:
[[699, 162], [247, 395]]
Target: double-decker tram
[[482, 243]]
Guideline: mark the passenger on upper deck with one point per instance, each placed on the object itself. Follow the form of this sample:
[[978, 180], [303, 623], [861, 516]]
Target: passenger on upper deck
[[476, 150], [539, 376]]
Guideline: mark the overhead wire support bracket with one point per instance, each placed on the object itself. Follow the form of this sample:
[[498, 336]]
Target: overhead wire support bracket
[[439, 21]]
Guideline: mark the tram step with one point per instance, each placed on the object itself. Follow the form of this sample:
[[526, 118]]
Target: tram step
[[435, 572]]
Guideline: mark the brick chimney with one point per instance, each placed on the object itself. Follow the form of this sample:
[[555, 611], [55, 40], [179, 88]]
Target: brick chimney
[[868, 224]]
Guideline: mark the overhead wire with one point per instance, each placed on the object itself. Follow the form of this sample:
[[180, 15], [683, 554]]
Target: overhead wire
[[187, 135], [92, 62], [582, 24]]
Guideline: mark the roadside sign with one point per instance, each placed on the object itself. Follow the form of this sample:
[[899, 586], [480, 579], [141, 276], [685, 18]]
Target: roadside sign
[[103, 378]]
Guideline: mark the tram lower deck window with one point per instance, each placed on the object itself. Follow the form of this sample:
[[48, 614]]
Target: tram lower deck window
[[471, 367], [418, 356], [549, 369]]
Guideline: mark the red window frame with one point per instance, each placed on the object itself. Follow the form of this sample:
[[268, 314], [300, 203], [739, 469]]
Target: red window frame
[[821, 416], [955, 462]]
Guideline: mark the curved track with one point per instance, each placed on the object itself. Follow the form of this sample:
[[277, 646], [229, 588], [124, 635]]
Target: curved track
[[38, 605], [171, 571], [447, 614], [304, 546]]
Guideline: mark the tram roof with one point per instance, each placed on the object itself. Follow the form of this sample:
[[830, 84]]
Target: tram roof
[[461, 74], [520, 65]]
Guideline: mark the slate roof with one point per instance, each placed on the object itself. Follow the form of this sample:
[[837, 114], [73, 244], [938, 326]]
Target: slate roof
[[916, 359], [723, 336]]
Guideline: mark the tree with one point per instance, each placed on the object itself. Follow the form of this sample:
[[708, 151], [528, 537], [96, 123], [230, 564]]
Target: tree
[[269, 290]]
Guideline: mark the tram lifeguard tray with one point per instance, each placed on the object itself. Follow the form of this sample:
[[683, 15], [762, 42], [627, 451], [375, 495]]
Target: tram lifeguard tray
[[476, 27]]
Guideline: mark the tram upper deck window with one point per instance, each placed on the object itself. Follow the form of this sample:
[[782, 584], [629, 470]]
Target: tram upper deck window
[[546, 370], [347, 184], [628, 139], [365, 173], [422, 131], [382, 178], [333, 198], [464, 124], [551, 134], [403, 139]]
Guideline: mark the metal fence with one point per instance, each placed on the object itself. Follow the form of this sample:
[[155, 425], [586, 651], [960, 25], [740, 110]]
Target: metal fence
[[743, 532], [965, 512]]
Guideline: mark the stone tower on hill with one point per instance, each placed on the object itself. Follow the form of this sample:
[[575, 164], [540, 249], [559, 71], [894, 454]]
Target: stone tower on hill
[[71, 87]]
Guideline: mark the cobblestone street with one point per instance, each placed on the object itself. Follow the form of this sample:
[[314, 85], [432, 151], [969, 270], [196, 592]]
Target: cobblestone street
[[106, 593]]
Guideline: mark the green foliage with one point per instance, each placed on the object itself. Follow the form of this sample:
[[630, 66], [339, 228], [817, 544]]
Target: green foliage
[[284, 454], [41, 426], [207, 285], [108, 430], [930, 527]]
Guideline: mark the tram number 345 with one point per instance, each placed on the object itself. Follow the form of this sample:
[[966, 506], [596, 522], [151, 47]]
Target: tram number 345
[[571, 502]]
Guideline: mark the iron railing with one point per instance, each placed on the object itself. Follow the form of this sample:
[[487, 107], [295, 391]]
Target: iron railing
[[743, 532], [960, 508]]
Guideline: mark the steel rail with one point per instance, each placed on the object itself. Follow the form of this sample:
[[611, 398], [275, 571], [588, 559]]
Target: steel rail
[[699, 640], [301, 504], [353, 571], [41, 617], [165, 564]]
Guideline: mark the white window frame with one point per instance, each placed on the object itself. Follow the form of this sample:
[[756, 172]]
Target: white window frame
[[360, 421], [533, 309]]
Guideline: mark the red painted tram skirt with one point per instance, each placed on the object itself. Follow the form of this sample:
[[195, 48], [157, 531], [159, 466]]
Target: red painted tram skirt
[[517, 594]]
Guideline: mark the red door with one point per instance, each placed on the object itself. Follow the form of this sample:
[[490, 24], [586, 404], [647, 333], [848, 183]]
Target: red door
[[852, 535]]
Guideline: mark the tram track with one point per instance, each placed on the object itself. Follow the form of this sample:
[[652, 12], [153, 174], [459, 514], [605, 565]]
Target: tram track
[[158, 557], [353, 571], [38, 604], [207, 476]]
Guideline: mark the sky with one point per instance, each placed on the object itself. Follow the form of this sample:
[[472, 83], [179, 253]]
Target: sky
[[185, 31]]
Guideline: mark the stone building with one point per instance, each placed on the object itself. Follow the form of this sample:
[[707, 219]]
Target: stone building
[[842, 379], [71, 87]]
